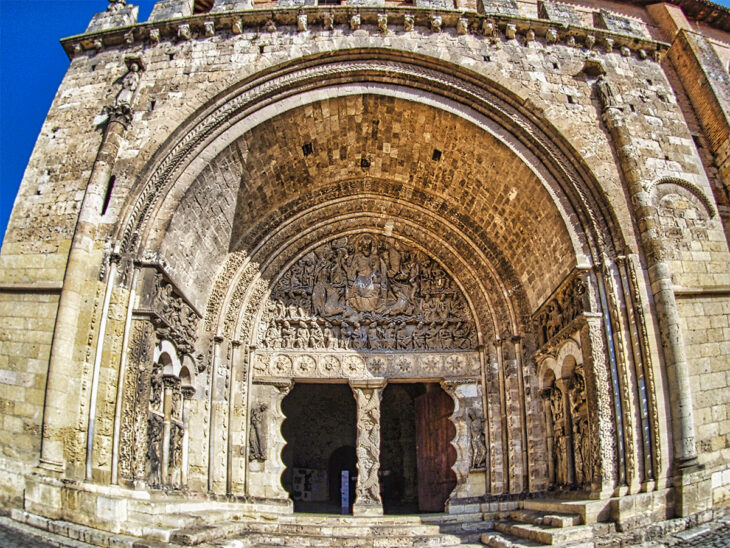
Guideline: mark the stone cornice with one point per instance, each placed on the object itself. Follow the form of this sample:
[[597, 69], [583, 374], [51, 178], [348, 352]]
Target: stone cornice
[[325, 18]]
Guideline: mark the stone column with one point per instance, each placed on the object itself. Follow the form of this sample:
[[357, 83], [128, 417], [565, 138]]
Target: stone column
[[367, 491], [169, 383], [62, 396], [685, 454], [187, 392]]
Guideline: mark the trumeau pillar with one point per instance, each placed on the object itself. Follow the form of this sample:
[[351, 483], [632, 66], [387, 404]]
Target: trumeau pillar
[[64, 389], [367, 491], [675, 360]]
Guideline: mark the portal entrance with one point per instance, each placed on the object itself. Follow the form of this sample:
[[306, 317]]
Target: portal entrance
[[319, 431], [416, 451]]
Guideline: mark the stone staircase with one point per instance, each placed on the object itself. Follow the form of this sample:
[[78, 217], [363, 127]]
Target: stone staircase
[[209, 524], [551, 522], [339, 531]]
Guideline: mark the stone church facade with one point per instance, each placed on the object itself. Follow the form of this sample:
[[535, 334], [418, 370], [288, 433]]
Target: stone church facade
[[462, 257]]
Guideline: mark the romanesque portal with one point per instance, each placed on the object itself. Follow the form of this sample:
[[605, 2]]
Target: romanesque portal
[[461, 262]]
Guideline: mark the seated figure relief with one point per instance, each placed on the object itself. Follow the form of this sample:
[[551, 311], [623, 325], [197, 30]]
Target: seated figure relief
[[367, 292]]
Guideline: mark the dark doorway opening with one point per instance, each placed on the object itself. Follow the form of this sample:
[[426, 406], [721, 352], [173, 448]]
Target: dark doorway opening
[[416, 451], [320, 433]]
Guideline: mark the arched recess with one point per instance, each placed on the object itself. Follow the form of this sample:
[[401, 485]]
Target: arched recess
[[266, 235]]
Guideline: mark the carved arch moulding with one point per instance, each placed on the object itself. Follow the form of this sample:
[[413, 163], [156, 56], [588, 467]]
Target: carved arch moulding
[[574, 190]]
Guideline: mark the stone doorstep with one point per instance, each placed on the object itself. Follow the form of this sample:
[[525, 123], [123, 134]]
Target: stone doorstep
[[590, 511], [312, 526], [545, 534], [541, 518], [444, 519], [286, 539]]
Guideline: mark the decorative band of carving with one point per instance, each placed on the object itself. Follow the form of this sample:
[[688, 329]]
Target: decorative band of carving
[[351, 365]]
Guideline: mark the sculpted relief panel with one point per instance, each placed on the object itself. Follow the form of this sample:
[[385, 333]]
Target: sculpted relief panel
[[356, 305]]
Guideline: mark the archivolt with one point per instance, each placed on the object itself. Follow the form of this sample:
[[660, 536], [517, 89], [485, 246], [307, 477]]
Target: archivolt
[[217, 124], [245, 280]]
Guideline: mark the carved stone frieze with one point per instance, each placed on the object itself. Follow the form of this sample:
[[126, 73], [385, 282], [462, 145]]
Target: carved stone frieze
[[560, 311], [133, 444], [366, 292], [173, 317], [581, 428], [351, 365]]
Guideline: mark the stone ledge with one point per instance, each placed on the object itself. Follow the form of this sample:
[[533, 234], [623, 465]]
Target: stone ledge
[[377, 20], [719, 290], [31, 287]]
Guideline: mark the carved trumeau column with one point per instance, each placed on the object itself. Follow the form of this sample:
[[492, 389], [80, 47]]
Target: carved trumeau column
[[367, 491], [616, 119], [59, 429]]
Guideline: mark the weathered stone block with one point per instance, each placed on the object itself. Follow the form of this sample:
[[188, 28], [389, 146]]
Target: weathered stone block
[[116, 15], [294, 3], [171, 9], [499, 7], [614, 22], [558, 12], [366, 2], [231, 5]]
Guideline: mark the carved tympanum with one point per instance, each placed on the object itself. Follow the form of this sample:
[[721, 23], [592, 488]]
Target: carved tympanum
[[367, 292]]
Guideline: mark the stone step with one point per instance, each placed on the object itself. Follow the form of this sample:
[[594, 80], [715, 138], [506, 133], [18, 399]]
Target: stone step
[[361, 530], [542, 518], [496, 539], [450, 518], [545, 534], [375, 541], [590, 511]]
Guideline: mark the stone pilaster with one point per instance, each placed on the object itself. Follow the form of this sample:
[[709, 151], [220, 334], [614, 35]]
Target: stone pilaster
[[601, 415], [469, 441], [367, 491], [58, 420]]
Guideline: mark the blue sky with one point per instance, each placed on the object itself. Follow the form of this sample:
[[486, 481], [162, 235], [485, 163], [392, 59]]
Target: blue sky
[[32, 65]]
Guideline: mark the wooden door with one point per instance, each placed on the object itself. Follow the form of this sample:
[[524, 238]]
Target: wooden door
[[434, 452]]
